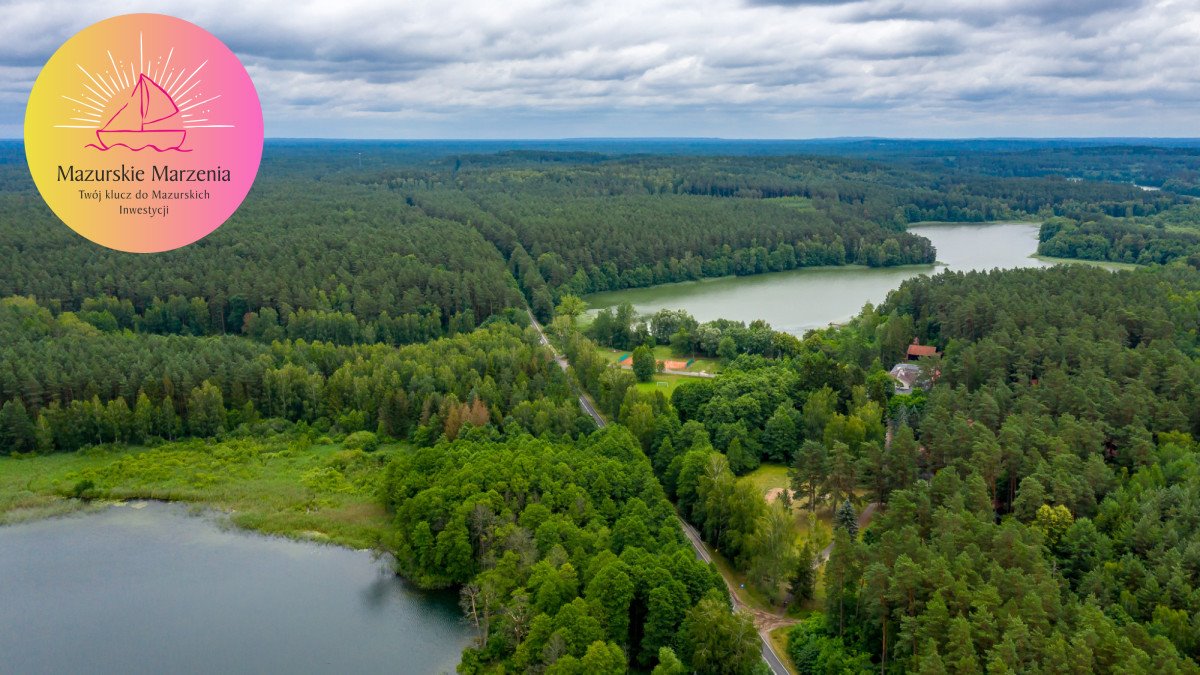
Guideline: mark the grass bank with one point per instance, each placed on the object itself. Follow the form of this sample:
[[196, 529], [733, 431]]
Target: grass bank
[[277, 486], [779, 641]]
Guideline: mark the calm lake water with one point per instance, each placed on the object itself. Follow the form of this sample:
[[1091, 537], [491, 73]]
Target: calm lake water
[[158, 591], [800, 300]]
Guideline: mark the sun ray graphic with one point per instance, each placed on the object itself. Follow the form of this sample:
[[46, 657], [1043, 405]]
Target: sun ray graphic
[[149, 102]]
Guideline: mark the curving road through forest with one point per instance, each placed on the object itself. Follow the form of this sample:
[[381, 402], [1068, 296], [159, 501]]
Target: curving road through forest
[[764, 622]]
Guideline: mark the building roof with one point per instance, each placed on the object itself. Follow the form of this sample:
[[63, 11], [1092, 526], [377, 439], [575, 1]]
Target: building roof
[[921, 350], [906, 376]]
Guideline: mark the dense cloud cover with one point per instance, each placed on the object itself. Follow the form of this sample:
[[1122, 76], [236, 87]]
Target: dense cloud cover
[[731, 68]]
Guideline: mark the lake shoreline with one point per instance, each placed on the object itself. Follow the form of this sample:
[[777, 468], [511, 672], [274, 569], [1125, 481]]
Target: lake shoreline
[[1112, 265], [796, 301], [727, 277], [967, 223], [266, 493], [224, 517], [187, 590]]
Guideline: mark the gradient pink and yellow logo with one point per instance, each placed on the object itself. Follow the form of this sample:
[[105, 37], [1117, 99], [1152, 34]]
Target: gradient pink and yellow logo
[[143, 133]]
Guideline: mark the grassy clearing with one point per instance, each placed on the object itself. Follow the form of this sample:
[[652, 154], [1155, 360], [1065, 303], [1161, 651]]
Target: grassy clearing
[[278, 486], [663, 353], [768, 477], [664, 383], [702, 364], [611, 355], [779, 640], [817, 527], [798, 203]]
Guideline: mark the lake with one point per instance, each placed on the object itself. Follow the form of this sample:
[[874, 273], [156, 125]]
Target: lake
[[803, 299], [155, 590]]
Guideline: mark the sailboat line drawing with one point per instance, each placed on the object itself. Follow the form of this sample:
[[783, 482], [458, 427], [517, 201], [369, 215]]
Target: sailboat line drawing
[[149, 119]]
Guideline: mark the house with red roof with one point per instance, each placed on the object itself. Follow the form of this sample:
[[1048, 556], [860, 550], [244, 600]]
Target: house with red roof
[[916, 350]]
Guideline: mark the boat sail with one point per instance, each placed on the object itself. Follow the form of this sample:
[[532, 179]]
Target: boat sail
[[149, 118]]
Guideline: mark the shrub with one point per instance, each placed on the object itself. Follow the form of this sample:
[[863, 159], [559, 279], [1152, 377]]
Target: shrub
[[84, 489], [366, 441]]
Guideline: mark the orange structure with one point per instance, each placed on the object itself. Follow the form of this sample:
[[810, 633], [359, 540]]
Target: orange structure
[[916, 350]]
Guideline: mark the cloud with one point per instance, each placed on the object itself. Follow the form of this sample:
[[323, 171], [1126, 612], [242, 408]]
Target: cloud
[[766, 68], [976, 12]]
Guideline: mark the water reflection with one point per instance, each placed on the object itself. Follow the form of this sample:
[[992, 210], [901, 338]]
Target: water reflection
[[156, 591], [800, 300]]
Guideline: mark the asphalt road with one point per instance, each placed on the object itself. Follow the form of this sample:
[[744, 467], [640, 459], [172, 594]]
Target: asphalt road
[[584, 402], [768, 652]]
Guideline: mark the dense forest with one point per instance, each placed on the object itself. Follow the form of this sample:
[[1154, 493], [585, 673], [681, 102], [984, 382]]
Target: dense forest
[[1155, 166], [335, 250], [67, 384], [393, 243], [1058, 440], [569, 558], [1031, 507], [681, 237], [1037, 501], [1173, 235]]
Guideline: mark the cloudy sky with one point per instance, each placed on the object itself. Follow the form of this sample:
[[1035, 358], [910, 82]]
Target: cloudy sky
[[727, 68]]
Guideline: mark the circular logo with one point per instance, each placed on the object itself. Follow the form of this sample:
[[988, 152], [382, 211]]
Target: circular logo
[[143, 133]]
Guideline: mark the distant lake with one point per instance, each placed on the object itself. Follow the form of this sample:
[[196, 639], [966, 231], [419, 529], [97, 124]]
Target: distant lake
[[154, 590], [803, 299]]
